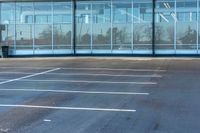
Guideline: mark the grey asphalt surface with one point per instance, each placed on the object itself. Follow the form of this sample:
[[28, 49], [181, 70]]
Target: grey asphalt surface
[[169, 103]]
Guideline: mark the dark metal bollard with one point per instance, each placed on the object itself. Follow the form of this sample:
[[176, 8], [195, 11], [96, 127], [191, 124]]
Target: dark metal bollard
[[5, 50]]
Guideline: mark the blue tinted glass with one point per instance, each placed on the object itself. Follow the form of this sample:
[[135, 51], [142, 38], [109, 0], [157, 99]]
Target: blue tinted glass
[[43, 13], [62, 12]]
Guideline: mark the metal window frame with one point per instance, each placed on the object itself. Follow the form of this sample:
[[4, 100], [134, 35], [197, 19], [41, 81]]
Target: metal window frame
[[153, 26], [74, 23], [74, 8], [197, 26]]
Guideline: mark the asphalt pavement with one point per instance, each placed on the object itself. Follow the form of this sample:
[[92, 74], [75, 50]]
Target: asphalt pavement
[[99, 95]]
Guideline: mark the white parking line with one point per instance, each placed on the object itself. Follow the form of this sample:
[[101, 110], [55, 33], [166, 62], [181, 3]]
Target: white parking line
[[90, 68], [81, 92], [47, 120], [117, 69], [80, 81], [36, 74], [21, 67], [68, 108], [91, 74]]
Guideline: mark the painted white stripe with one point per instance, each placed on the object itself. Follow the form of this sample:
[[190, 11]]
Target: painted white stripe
[[117, 69], [88, 58], [36, 74], [86, 81], [21, 67], [68, 108], [90, 74], [47, 120], [81, 92], [82, 68], [4, 130]]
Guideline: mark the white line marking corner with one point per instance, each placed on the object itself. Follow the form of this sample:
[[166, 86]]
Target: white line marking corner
[[32, 75]]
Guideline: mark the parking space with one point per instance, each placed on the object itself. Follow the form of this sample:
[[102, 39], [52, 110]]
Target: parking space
[[98, 95]]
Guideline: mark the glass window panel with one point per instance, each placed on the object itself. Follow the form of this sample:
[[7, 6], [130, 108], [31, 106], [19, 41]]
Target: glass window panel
[[186, 36], [62, 12], [43, 27], [122, 12], [101, 14], [142, 36], [8, 35], [142, 11], [62, 28], [62, 36], [7, 24], [165, 19], [24, 13], [142, 26], [43, 37], [186, 26], [83, 29], [24, 36], [121, 32], [43, 13], [7, 13]]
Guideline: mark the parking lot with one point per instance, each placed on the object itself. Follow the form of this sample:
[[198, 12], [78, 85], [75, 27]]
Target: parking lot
[[99, 95]]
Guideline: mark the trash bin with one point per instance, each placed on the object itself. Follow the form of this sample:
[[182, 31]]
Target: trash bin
[[5, 50]]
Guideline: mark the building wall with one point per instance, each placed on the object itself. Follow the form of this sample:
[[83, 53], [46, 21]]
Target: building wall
[[101, 27]]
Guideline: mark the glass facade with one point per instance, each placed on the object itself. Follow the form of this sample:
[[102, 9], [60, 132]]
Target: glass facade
[[100, 27], [176, 26], [37, 28]]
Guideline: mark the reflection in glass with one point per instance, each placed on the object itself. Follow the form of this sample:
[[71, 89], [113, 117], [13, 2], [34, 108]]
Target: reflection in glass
[[7, 24], [24, 13], [62, 27], [101, 26], [142, 36], [62, 36], [186, 25], [24, 26], [43, 13], [43, 26], [43, 37], [186, 36], [24, 36], [142, 26], [101, 14], [165, 23], [122, 24], [83, 29]]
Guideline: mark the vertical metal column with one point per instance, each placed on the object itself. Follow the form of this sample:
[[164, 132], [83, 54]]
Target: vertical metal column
[[153, 27], [74, 25], [71, 41], [52, 28], [15, 33], [33, 28], [132, 27], [91, 25], [111, 20], [197, 26], [175, 23], [0, 21]]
